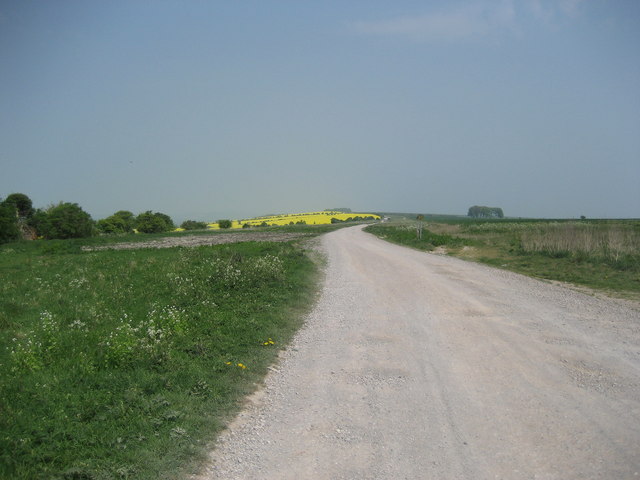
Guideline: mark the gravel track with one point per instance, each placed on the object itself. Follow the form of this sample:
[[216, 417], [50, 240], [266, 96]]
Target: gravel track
[[421, 366]]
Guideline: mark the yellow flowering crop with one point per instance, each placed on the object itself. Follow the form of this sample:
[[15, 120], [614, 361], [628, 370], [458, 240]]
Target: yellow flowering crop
[[310, 218]]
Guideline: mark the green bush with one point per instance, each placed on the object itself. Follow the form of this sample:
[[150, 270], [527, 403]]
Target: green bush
[[167, 220], [114, 224], [127, 216], [9, 230], [65, 220], [193, 225], [224, 223], [38, 221], [150, 222]]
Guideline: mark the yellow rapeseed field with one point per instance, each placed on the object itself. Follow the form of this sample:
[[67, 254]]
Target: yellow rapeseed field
[[309, 218]]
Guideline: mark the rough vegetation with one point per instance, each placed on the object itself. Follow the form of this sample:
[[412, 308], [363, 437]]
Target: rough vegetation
[[105, 377], [600, 254]]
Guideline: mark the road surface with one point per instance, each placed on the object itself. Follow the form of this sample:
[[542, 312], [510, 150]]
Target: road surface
[[422, 366]]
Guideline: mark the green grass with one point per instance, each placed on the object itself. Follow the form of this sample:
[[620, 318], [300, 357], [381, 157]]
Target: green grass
[[125, 364], [406, 234], [600, 254]]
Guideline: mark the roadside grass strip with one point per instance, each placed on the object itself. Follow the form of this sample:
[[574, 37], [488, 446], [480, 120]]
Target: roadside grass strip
[[598, 254], [125, 364]]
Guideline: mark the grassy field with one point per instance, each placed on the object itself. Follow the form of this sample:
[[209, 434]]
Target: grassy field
[[124, 364], [601, 254]]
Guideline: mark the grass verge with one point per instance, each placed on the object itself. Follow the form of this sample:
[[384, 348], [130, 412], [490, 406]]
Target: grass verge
[[603, 255], [125, 364]]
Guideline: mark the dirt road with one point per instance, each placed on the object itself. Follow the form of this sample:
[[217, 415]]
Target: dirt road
[[420, 366]]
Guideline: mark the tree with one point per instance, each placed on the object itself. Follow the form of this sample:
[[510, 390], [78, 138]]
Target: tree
[[224, 223], [38, 221], [22, 203], [22, 211], [112, 224], [120, 222], [167, 220], [485, 212], [193, 225], [9, 230], [150, 222], [65, 220], [127, 217]]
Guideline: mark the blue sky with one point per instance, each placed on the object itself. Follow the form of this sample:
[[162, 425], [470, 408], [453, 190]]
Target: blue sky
[[212, 109]]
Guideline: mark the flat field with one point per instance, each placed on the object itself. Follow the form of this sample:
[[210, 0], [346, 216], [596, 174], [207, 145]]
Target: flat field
[[600, 254], [125, 363], [326, 217]]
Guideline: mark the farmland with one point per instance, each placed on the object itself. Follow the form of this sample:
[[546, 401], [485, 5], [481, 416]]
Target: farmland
[[326, 217], [122, 362]]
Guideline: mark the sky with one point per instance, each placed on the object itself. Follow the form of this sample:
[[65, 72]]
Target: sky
[[231, 109]]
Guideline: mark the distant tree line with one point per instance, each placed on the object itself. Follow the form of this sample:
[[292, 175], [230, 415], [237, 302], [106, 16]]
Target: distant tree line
[[19, 220], [357, 218], [341, 209], [485, 212]]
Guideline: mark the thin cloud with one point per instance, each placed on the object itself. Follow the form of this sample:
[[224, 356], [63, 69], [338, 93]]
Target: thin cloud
[[570, 7], [469, 21], [549, 11]]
